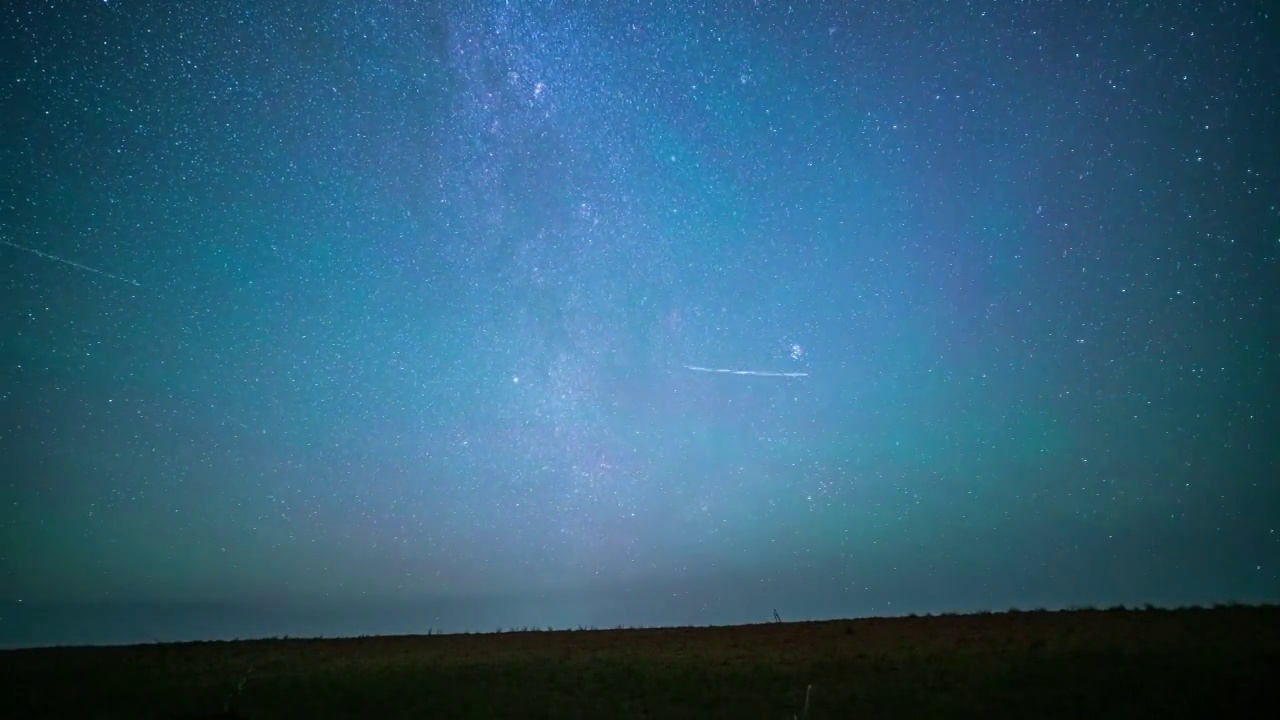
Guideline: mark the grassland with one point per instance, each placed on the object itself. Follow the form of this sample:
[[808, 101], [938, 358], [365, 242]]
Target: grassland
[[1217, 663]]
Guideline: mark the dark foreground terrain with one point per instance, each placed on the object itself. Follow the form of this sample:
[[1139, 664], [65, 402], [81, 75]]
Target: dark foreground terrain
[[1215, 663]]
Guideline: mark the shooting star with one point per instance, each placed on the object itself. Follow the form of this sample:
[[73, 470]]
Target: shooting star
[[753, 373], [72, 263]]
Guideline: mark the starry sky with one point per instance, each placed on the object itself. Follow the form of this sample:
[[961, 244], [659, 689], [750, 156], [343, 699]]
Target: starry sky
[[343, 316]]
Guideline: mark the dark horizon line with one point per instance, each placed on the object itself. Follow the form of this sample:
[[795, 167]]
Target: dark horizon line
[[430, 632]]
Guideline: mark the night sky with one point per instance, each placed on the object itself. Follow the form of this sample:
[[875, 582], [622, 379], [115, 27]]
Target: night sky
[[342, 317]]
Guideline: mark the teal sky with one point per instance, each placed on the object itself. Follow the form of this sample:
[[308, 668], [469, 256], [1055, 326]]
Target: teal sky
[[352, 305]]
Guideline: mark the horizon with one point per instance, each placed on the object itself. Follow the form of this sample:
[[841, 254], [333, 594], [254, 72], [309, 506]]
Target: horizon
[[98, 624], [429, 631]]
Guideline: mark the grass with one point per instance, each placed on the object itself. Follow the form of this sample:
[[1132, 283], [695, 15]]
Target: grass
[[1115, 663]]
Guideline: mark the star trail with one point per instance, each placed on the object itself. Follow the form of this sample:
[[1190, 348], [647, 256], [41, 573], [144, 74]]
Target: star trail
[[344, 317]]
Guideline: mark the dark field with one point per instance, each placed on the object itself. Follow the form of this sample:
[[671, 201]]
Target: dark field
[[1083, 664]]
